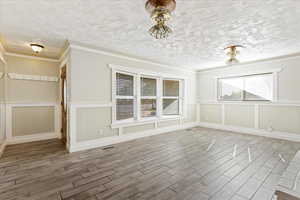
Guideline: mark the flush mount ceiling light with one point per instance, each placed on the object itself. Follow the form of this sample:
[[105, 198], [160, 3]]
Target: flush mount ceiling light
[[160, 11], [232, 52], [37, 48]]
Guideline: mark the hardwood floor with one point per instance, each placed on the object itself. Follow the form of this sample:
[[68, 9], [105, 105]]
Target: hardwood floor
[[194, 164]]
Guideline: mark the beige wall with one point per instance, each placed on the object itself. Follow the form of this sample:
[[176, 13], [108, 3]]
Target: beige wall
[[240, 115], [91, 76], [270, 117], [20, 91], [280, 118], [2, 81], [32, 120], [211, 113], [136, 129], [91, 84], [168, 123], [93, 123], [2, 102], [191, 115], [288, 79]]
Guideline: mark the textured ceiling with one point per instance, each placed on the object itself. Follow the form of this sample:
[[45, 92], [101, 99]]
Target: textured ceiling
[[202, 28]]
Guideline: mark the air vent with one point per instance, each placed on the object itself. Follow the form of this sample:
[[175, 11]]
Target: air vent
[[108, 147]]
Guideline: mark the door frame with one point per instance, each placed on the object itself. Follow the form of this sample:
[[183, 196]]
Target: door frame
[[65, 140]]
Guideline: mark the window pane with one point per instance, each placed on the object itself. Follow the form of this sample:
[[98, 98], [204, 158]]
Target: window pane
[[148, 107], [171, 88], [148, 87], [171, 106], [258, 87], [124, 109], [231, 88], [124, 85]]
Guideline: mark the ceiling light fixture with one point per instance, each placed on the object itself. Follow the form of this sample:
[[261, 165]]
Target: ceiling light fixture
[[160, 11], [37, 48], [232, 52]]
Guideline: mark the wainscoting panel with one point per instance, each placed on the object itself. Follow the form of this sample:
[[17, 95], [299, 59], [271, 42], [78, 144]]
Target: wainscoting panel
[[168, 123], [32, 120], [191, 115], [211, 113], [140, 128], [279, 118], [240, 115], [94, 123]]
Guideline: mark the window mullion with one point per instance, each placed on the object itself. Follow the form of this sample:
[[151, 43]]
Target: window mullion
[[159, 95], [244, 87], [180, 98], [114, 94], [137, 97]]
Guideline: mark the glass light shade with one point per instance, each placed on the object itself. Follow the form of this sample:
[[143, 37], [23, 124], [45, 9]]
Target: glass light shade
[[37, 48], [160, 31]]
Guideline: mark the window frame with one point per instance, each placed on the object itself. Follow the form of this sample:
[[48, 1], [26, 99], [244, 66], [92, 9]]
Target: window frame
[[138, 96], [243, 93], [147, 97], [179, 97], [133, 97]]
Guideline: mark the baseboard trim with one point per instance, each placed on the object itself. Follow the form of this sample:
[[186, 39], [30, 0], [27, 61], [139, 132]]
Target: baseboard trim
[[80, 146], [2, 147], [33, 138], [252, 131]]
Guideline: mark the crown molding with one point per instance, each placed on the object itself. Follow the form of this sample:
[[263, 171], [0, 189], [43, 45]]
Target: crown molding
[[269, 60], [97, 51], [31, 57], [65, 52]]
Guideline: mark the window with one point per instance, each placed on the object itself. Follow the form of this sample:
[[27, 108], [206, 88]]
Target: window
[[141, 97], [124, 96], [171, 97], [148, 97], [246, 88]]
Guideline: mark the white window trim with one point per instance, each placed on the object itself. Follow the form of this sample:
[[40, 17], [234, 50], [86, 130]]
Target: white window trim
[[137, 74], [274, 91]]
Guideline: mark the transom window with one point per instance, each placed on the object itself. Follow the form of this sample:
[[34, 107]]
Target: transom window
[[246, 88], [139, 97]]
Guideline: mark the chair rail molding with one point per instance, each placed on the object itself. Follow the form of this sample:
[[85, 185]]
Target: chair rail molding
[[79, 146]]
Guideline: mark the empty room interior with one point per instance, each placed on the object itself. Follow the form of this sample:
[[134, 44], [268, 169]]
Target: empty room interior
[[149, 100]]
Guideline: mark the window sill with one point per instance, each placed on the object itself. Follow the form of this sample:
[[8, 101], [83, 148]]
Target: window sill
[[132, 122]]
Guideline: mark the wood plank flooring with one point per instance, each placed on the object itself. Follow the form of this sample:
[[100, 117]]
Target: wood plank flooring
[[194, 164]]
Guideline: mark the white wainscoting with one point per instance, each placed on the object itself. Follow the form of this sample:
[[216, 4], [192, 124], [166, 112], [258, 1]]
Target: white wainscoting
[[2, 147], [79, 146], [10, 139], [255, 130]]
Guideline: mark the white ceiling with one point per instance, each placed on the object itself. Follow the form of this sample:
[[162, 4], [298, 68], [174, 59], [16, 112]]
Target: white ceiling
[[202, 28]]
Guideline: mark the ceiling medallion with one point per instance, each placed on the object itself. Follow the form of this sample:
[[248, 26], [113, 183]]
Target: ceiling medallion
[[37, 48], [160, 11], [232, 52]]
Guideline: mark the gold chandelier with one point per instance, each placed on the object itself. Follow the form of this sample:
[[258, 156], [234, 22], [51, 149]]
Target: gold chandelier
[[232, 53], [160, 11]]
